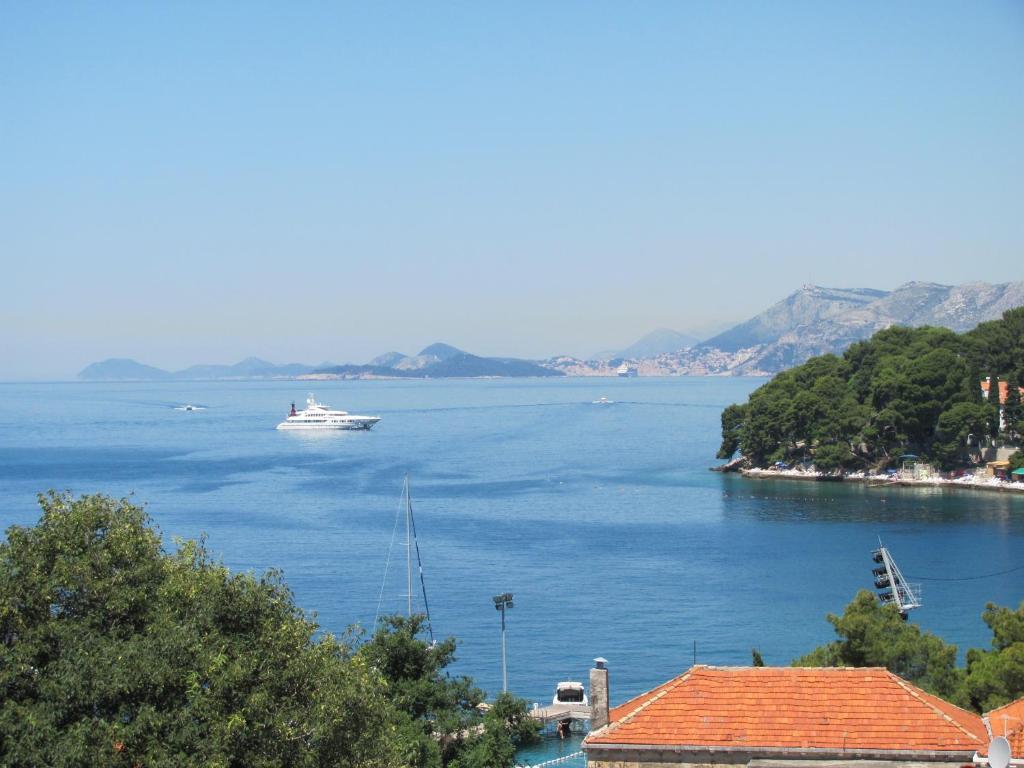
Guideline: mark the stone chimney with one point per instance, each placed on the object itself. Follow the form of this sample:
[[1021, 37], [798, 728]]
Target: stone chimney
[[599, 694]]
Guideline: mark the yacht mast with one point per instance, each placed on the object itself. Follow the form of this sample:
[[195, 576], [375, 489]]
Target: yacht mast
[[411, 542], [408, 546]]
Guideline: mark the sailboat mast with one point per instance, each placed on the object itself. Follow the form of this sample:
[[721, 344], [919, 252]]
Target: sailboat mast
[[408, 544]]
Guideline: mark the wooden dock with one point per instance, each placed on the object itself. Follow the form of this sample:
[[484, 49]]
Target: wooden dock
[[554, 713]]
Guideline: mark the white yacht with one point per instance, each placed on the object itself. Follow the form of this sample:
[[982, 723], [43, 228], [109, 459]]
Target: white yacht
[[571, 693], [602, 400], [319, 416]]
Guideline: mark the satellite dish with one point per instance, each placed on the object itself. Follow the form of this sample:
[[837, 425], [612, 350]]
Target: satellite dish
[[999, 752]]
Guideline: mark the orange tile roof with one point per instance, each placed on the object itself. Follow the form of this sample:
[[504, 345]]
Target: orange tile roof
[[1014, 712], [792, 708], [1008, 720], [1004, 389]]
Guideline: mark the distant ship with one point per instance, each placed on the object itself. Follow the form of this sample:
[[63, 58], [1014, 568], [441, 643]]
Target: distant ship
[[319, 416], [602, 400], [626, 370]]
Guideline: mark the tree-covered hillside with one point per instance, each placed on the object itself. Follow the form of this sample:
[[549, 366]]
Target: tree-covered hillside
[[115, 653], [905, 390]]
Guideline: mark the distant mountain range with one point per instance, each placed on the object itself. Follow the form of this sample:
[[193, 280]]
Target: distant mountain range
[[814, 321], [122, 369], [658, 342], [811, 321], [436, 361]]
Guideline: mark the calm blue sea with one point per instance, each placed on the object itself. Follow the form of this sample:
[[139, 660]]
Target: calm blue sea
[[603, 520]]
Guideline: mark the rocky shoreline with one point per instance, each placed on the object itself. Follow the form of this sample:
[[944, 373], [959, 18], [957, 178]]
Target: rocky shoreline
[[966, 482]]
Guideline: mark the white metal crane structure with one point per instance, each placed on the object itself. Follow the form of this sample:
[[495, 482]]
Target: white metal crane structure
[[892, 587]]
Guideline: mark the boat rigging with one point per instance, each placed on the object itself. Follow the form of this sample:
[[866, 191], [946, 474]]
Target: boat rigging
[[411, 544]]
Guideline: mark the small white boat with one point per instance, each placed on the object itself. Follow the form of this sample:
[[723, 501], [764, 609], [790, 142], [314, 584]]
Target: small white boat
[[189, 408], [602, 400], [319, 416], [570, 692]]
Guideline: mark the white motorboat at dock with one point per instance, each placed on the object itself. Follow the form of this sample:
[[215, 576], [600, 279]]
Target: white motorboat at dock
[[570, 703]]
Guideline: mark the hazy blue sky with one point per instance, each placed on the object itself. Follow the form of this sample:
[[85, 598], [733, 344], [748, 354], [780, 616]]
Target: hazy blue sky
[[198, 182]]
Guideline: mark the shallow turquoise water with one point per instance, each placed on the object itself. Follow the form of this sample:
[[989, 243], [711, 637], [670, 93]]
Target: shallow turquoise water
[[602, 520]]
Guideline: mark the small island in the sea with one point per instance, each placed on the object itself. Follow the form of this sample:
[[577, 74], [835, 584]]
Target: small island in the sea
[[434, 362]]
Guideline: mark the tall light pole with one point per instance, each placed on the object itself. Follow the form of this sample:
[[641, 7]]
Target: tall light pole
[[501, 602]]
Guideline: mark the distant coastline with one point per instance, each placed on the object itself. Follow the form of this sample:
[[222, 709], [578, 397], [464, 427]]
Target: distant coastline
[[434, 362], [811, 321], [965, 483]]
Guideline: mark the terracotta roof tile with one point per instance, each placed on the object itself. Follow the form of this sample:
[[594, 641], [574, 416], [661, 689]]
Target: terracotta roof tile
[[1012, 712], [793, 707], [1004, 389], [1008, 720]]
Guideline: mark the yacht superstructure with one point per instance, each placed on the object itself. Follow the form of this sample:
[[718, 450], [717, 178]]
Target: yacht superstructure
[[319, 416], [570, 693]]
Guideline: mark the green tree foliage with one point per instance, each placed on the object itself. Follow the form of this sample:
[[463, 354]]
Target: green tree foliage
[[996, 677], [998, 345], [115, 653], [490, 749], [414, 669], [507, 726], [905, 390], [732, 424], [441, 711], [1016, 460], [756, 659], [832, 457], [510, 714], [959, 428], [874, 635], [442, 708]]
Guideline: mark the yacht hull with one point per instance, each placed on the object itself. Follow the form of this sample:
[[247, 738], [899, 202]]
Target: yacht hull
[[364, 425]]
